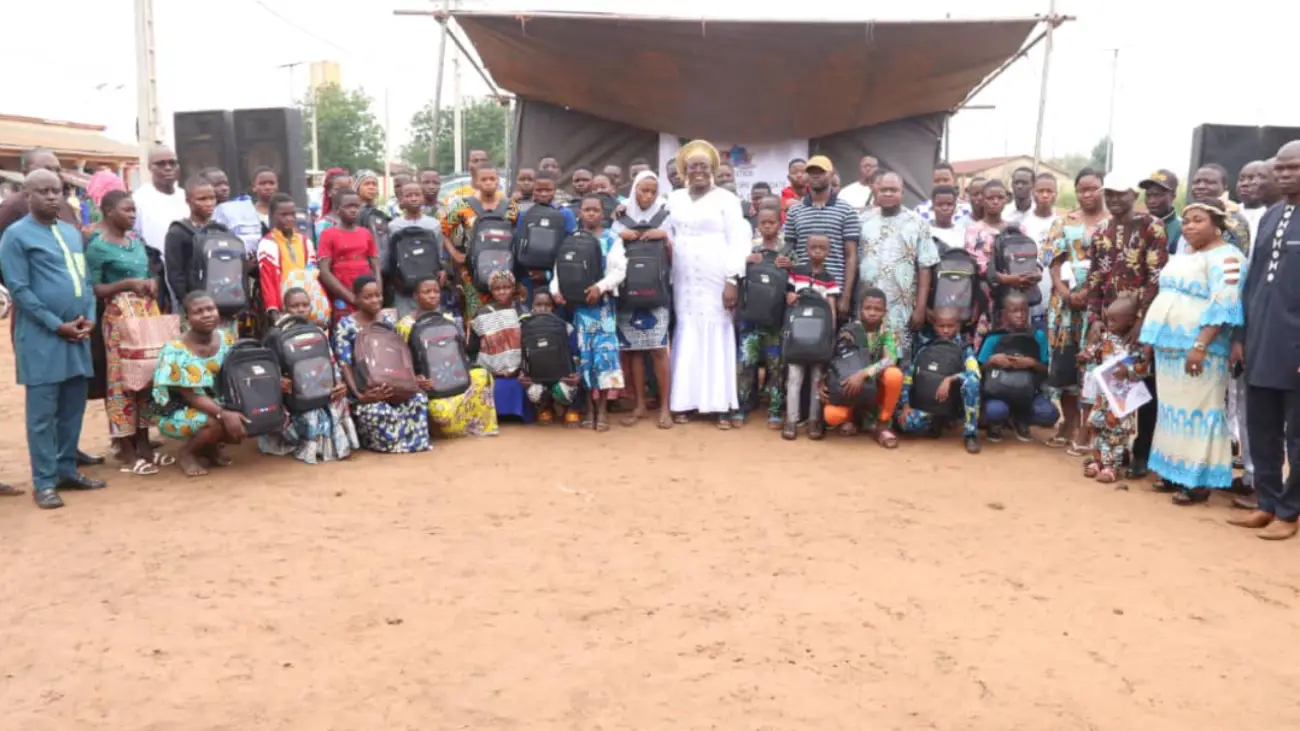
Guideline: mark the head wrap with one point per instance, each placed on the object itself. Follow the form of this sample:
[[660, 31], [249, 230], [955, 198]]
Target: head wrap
[[501, 275], [101, 183], [693, 148], [1213, 207], [365, 175], [326, 200], [634, 209]]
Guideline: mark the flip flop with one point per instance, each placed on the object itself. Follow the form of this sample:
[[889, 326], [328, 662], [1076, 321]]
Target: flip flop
[[163, 460], [7, 490], [887, 439], [142, 467], [1057, 442]]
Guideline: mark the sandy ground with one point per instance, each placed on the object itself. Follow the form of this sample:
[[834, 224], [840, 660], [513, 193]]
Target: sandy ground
[[638, 580]]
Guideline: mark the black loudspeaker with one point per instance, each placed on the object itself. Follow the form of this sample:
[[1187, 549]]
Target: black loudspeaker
[[1232, 146], [272, 137], [206, 139]]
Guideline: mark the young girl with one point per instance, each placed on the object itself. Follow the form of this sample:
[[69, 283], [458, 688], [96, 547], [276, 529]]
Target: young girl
[[980, 237], [645, 330], [594, 318], [184, 389], [761, 347], [471, 414], [385, 421], [336, 179], [554, 399], [285, 261], [320, 435], [346, 252], [496, 344], [1112, 434], [459, 223], [265, 186], [870, 335]]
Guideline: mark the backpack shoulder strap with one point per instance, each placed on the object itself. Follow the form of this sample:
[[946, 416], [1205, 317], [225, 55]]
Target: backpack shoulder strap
[[659, 218], [627, 221], [475, 205]]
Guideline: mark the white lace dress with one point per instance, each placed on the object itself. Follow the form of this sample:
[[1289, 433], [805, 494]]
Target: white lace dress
[[710, 242]]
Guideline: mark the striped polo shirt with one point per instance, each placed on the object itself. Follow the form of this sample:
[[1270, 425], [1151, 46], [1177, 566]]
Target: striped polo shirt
[[837, 221]]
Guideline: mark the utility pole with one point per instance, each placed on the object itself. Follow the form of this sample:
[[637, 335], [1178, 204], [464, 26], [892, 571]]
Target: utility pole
[[1042, 88], [148, 128], [457, 115], [315, 132], [437, 91], [293, 90], [1110, 124]]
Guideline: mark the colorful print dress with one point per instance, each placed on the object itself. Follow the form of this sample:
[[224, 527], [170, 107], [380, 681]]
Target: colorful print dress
[[179, 367], [471, 414], [1193, 446], [1067, 328], [383, 427]]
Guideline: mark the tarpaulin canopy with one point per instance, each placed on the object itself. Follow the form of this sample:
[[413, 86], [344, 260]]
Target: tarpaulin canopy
[[758, 80]]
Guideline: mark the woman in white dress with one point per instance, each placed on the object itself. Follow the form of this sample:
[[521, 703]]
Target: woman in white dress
[[710, 242]]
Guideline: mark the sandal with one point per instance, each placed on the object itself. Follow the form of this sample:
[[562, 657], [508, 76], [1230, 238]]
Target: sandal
[[848, 429], [886, 438], [724, 423], [1106, 475], [1057, 442], [142, 467], [816, 430], [682, 419], [1090, 469], [1078, 450], [789, 432], [1192, 496], [602, 425], [7, 490], [545, 417], [775, 423], [632, 418], [163, 460], [572, 419]]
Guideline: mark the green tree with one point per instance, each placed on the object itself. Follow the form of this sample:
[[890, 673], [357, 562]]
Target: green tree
[[1097, 160], [484, 121], [1075, 162], [350, 136]]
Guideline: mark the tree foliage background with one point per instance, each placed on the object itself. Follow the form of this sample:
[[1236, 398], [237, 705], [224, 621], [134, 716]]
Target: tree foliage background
[[350, 135], [485, 129], [1073, 163]]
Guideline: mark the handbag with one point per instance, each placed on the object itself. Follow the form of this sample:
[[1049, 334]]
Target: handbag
[[140, 341], [1063, 371]]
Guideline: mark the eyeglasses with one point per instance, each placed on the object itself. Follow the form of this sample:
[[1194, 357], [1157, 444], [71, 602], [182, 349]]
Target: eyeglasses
[[166, 163]]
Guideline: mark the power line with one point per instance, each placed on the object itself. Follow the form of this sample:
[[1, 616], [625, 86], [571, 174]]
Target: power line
[[301, 29]]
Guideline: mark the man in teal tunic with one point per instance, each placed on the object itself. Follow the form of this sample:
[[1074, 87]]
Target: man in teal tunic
[[45, 269]]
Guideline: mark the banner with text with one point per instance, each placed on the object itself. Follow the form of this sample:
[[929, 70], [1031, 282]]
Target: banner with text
[[766, 161]]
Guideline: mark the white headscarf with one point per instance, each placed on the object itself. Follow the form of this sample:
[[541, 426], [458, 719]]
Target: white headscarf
[[634, 209]]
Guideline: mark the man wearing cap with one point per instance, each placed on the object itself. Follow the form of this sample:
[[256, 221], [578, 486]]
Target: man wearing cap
[[823, 213], [1127, 254], [1159, 190], [1266, 347]]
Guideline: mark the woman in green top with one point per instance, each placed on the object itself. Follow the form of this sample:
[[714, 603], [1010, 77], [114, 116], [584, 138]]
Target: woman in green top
[[118, 268]]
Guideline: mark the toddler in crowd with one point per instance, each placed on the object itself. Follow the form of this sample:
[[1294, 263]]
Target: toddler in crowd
[[1111, 433], [562, 399], [1036, 409], [815, 276], [870, 335], [761, 347], [964, 385]]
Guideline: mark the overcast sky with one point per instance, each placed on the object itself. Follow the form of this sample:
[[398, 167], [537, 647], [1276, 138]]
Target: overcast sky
[[1179, 66]]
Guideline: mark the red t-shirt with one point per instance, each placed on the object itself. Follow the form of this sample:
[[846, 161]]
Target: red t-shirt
[[348, 252]]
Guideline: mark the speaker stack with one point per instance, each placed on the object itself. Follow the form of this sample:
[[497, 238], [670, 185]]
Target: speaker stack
[[242, 141], [1232, 146]]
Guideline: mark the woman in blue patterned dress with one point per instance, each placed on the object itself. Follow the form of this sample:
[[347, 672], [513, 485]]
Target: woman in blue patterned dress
[[1188, 325], [384, 423], [595, 321]]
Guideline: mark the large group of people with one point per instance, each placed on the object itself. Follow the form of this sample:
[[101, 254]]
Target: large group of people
[[983, 309]]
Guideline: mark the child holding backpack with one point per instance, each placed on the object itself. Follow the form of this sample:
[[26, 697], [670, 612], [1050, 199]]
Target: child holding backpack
[[563, 397], [287, 260], [1007, 365], [760, 347], [941, 381], [320, 435], [458, 230], [545, 212], [469, 414], [813, 277], [879, 347], [594, 317]]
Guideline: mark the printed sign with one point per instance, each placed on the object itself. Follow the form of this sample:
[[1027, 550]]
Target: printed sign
[[765, 161]]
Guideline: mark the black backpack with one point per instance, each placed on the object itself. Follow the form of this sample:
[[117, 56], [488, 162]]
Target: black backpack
[[1016, 387], [376, 222], [540, 237], [491, 244], [416, 253], [648, 279], [579, 263], [1016, 253], [303, 351], [249, 382], [438, 352], [809, 336], [547, 358], [217, 267], [762, 294], [849, 359], [934, 362], [956, 283]]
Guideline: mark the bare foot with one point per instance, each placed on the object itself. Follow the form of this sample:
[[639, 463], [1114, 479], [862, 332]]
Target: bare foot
[[189, 464], [215, 457], [1278, 530], [1257, 519], [665, 420]]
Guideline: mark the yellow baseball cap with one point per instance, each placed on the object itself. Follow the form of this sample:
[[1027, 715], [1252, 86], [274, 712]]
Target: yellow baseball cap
[[820, 161]]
